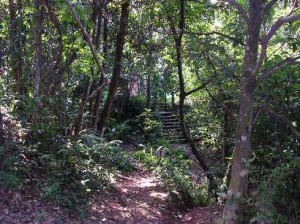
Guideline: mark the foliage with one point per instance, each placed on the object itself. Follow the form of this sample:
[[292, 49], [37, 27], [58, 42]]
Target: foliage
[[151, 125], [67, 174], [173, 165], [134, 106], [128, 131], [9, 176], [277, 195]]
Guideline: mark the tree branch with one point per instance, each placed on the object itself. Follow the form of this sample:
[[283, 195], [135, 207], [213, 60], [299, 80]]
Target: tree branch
[[217, 33], [220, 103], [266, 39], [95, 92], [203, 85], [267, 73], [85, 34], [270, 5], [288, 123], [239, 8]]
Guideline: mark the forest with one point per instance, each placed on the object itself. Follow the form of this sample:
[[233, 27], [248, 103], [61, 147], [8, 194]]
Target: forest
[[154, 111]]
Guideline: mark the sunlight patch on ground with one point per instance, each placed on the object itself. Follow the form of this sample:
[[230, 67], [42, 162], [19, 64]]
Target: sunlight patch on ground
[[158, 195], [147, 182]]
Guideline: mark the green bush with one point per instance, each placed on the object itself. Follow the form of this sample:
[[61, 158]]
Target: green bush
[[278, 194], [68, 172], [81, 168], [128, 131], [134, 106], [9, 167], [151, 125], [173, 166]]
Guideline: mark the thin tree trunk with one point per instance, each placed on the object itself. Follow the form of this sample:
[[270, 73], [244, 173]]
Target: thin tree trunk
[[16, 40], [93, 44], [183, 94], [98, 100], [186, 135], [117, 67], [39, 20], [1, 128], [228, 133], [148, 91], [85, 34], [242, 147], [76, 127]]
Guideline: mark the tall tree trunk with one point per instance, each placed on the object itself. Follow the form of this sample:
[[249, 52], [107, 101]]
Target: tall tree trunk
[[1, 128], [39, 21], [185, 133], [242, 146], [76, 127], [97, 19], [39, 18], [93, 44], [148, 91], [16, 40], [117, 67], [98, 100], [228, 133]]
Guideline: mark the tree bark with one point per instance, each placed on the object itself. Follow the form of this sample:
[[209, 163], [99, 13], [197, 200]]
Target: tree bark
[[148, 91], [16, 40], [117, 67], [76, 126], [2, 140], [98, 100], [39, 21], [228, 132], [242, 147]]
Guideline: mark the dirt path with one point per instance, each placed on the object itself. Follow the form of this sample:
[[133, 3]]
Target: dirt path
[[138, 198]]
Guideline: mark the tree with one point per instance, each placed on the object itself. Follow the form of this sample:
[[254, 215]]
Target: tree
[[117, 67], [252, 76]]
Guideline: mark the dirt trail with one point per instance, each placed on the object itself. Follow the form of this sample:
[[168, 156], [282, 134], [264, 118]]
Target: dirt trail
[[138, 198]]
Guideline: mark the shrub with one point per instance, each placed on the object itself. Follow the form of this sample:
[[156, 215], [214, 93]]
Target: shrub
[[127, 131], [278, 195], [9, 175], [151, 125], [134, 106], [173, 166]]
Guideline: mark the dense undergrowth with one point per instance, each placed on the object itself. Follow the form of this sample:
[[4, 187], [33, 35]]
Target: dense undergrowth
[[173, 165]]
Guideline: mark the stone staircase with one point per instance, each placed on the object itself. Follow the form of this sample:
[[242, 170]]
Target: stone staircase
[[171, 129]]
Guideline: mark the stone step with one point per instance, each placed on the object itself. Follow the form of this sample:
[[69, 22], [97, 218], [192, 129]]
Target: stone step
[[165, 112], [170, 117], [171, 123], [178, 133], [175, 137], [173, 118], [178, 141], [171, 127]]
